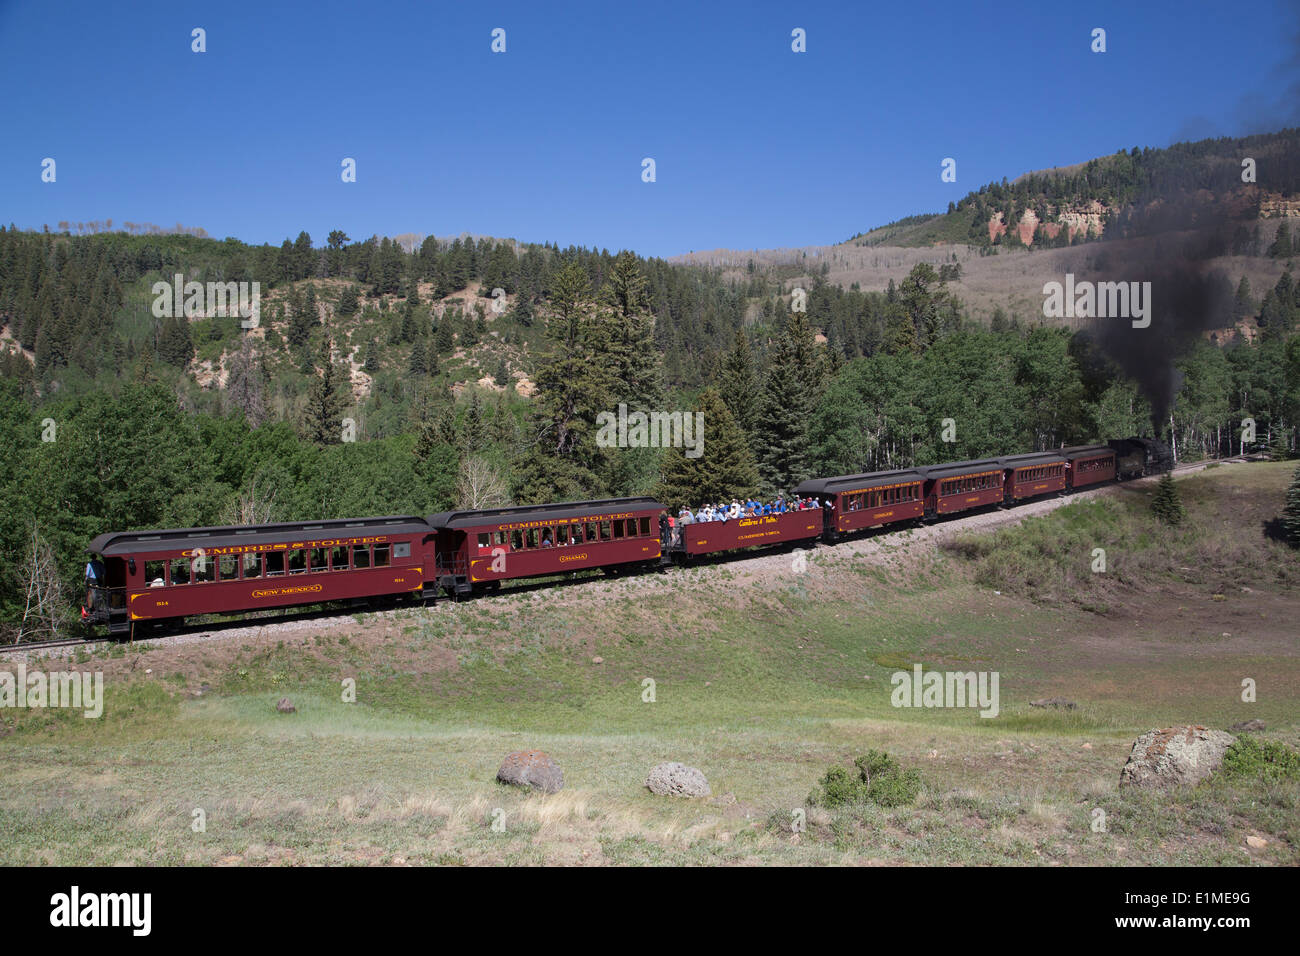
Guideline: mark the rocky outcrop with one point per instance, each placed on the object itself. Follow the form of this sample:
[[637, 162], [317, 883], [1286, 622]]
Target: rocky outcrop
[[677, 780], [533, 769], [1175, 756]]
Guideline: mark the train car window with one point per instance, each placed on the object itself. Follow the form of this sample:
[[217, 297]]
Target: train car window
[[339, 558], [645, 526], [591, 531], [227, 567], [381, 556], [485, 539], [402, 549], [318, 559], [274, 563], [203, 569], [516, 540], [297, 561], [155, 573], [530, 539], [631, 527], [562, 536], [360, 556], [180, 571], [499, 539], [618, 529], [252, 566], [548, 538], [604, 531]]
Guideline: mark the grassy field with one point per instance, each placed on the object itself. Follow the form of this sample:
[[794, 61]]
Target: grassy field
[[763, 677]]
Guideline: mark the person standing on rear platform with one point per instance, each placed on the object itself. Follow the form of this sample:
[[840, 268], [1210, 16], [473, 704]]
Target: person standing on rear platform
[[95, 575]]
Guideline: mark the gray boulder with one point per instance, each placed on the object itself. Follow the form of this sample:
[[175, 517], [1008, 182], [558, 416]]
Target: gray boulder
[[677, 780], [531, 768], [1174, 756]]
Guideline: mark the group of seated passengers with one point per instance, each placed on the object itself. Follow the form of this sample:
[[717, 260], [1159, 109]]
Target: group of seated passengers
[[746, 509]]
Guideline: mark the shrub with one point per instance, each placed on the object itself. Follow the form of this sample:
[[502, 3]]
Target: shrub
[[879, 780], [1291, 511], [1249, 759], [1166, 504]]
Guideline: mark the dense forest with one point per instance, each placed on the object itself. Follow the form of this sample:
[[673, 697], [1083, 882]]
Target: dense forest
[[385, 378]]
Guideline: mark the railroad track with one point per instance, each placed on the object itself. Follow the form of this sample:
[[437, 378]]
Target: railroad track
[[27, 647]]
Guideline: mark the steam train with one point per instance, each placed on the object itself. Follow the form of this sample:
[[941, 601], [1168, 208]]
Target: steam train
[[148, 578]]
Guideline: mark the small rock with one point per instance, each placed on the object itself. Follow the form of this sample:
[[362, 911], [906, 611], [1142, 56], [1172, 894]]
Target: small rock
[[1256, 842], [531, 768], [598, 660], [1247, 726], [677, 780], [1173, 756], [285, 706], [148, 670]]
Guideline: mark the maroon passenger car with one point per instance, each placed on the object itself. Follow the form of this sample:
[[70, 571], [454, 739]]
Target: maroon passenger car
[[1088, 465], [478, 548], [869, 500], [1031, 475], [760, 531], [159, 575], [962, 485]]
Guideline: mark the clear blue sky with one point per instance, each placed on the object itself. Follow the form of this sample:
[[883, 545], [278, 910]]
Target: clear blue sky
[[755, 146]]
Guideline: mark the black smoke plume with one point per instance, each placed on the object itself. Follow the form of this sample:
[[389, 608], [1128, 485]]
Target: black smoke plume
[[1172, 243]]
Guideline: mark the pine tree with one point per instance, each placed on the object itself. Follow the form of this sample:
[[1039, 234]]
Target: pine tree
[[1244, 304], [637, 364], [738, 384], [474, 430], [1166, 504], [900, 333], [348, 301], [725, 468], [1291, 513], [419, 364], [1281, 247], [781, 422], [322, 416], [445, 340]]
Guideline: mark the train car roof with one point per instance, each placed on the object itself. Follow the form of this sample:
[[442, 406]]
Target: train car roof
[[955, 468], [563, 511], [1084, 451], [132, 542], [871, 479], [1032, 458]]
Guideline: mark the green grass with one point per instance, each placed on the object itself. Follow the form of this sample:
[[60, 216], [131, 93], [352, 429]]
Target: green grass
[[763, 690]]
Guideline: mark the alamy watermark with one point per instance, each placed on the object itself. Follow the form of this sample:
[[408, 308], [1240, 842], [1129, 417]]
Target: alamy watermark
[[82, 690], [946, 689], [1098, 300], [197, 301], [652, 430]]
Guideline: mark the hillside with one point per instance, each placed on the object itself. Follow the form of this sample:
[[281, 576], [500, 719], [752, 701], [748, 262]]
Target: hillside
[[404, 776]]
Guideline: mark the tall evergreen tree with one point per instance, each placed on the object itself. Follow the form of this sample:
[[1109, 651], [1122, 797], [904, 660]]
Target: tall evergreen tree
[[725, 468], [419, 364], [738, 383], [323, 413], [1281, 247], [781, 422]]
